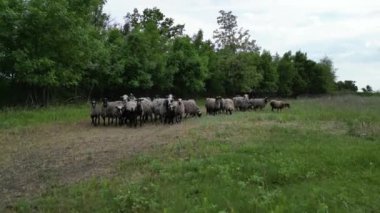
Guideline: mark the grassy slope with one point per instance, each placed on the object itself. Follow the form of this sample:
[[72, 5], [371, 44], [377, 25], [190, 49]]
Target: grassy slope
[[321, 155]]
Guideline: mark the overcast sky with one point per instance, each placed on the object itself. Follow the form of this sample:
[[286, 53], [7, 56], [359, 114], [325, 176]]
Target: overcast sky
[[347, 31]]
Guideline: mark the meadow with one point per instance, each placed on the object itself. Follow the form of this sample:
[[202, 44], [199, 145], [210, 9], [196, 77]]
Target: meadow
[[321, 155]]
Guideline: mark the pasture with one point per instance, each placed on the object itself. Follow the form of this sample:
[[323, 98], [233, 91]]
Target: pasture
[[321, 155]]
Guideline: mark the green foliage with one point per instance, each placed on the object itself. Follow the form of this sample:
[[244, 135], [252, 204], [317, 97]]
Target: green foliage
[[53, 43], [367, 89], [287, 73], [267, 68], [240, 71], [347, 86], [55, 49], [323, 77], [303, 68], [188, 67]]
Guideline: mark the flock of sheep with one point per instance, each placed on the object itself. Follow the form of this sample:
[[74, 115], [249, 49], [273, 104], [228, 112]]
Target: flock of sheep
[[133, 111]]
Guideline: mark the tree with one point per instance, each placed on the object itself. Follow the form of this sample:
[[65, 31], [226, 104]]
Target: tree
[[105, 70], [10, 21], [228, 36], [367, 89], [148, 41], [267, 68], [152, 18], [67, 48], [190, 71], [327, 76], [52, 45], [346, 86], [239, 71], [287, 72], [303, 68]]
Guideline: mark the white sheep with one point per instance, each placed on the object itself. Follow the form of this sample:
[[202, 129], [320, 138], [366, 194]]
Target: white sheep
[[228, 105], [241, 103], [213, 105], [95, 114], [110, 110], [191, 108], [258, 103], [179, 110]]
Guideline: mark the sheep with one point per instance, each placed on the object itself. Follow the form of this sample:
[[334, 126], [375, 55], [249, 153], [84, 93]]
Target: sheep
[[148, 108], [179, 110], [163, 109], [119, 114], [130, 113], [144, 109], [110, 110], [114, 111], [131, 97], [191, 108], [279, 105], [167, 111], [124, 97], [157, 104], [258, 103], [170, 97], [95, 113], [213, 105], [228, 105], [241, 103], [147, 98]]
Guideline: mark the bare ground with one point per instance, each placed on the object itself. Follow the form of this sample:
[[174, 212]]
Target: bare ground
[[34, 159]]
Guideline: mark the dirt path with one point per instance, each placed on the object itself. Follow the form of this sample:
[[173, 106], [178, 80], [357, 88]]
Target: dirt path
[[37, 158]]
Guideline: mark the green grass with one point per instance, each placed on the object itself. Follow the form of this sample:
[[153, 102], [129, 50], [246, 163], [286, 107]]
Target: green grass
[[322, 155], [16, 118]]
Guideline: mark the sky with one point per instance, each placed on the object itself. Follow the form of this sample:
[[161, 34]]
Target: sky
[[346, 31]]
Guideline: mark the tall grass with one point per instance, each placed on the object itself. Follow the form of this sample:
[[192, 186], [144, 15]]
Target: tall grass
[[321, 155]]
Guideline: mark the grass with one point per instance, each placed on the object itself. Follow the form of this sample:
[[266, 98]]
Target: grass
[[18, 118], [322, 155]]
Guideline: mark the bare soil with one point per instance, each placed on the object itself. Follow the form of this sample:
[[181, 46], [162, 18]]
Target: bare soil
[[34, 159]]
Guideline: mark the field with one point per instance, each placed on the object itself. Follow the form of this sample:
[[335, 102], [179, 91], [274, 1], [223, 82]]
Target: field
[[321, 155]]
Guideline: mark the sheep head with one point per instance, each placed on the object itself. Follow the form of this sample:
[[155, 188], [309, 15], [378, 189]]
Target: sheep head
[[93, 103], [105, 102]]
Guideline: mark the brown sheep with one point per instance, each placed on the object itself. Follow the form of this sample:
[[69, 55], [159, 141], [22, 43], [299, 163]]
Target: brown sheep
[[279, 105]]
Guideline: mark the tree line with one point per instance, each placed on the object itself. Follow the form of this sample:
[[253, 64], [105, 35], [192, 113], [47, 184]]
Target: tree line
[[66, 49]]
